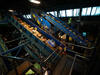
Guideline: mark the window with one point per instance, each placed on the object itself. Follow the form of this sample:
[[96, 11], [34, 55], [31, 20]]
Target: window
[[51, 13], [47, 12], [24, 16], [88, 11], [62, 13], [97, 11], [55, 13], [93, 11], [84, 10], [76, 12], [28, 16], [69, 13]]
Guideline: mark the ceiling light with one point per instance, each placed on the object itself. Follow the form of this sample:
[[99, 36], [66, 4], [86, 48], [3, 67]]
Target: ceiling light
[[35, 1], [11, 10]]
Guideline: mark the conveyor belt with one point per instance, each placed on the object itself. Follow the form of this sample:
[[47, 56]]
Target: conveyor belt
[[64, 24], [66, 30], [50, 31], [40, 20], [28, 29], [64, 27], [46, 36], [69, 51]]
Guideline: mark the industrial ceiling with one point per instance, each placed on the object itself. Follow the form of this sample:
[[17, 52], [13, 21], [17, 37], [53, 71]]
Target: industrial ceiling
[[47, 4]]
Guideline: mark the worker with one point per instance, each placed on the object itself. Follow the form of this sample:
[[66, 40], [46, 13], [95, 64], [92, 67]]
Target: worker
[[70, 39], [69, 21]]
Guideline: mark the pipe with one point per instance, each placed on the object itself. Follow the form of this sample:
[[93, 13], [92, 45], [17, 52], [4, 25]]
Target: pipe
[[70, 73], [50, 55], [13, 40], [79, 46]]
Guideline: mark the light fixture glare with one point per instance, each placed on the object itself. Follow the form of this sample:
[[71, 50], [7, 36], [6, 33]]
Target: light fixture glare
[[35, 1]]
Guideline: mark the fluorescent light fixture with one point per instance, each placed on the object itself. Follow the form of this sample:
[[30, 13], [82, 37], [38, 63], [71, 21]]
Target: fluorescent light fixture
[[35, 1], [11, 10]]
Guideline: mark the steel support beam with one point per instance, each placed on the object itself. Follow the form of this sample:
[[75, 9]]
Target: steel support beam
[[14, 49]]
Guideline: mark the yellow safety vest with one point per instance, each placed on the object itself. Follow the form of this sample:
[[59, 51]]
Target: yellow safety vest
[[70, 38]]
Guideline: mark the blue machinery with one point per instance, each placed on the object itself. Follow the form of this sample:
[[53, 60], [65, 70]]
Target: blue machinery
[[41, 18], [59, 24], [65, 28], [48, 53], [45, 50]]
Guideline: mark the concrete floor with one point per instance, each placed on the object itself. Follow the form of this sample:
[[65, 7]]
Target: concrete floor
[[64, 65]]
